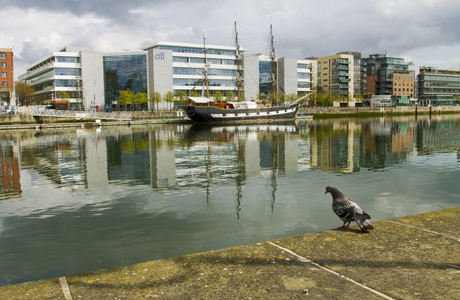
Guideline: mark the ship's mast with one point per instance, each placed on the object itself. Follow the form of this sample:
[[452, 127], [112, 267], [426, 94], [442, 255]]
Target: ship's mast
[[239, 69], [206, 68], [273, 59]]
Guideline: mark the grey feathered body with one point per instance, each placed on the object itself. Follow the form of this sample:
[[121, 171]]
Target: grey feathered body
[[347, 210]]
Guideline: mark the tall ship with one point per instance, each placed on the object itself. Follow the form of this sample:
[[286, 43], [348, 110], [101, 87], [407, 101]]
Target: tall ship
[[206, 109]]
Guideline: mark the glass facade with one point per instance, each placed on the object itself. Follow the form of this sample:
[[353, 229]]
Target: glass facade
[[384, 67], [123, 72], [438, 87], [265, 77]]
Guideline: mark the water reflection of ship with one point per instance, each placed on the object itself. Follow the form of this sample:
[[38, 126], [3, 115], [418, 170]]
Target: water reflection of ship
[[259, 151], [220, 133]]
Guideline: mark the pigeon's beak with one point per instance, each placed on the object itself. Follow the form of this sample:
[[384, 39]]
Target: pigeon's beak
[[326, 192]]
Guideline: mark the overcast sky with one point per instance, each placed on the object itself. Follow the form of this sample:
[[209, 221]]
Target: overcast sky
[[426, 32]]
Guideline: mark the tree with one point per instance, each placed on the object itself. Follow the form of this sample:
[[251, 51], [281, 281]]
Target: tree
[[24, 92], [281, 98], [141, 98], [155, 97], [181, 95], [64, 95], [229, 96], [457, 99], [169, 98], [126, 97], [218, 96]]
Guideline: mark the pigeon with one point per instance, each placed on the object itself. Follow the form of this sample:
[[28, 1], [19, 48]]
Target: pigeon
[[347, 210]]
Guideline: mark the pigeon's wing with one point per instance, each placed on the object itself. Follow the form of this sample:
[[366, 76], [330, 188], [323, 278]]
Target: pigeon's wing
[[359, 213], [344, 209]]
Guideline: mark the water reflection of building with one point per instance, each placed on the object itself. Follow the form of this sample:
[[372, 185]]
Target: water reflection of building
[[348, 146], [402, 137], [162, 159], [336, 152], [9, 169], [96, 161], [436, 136]]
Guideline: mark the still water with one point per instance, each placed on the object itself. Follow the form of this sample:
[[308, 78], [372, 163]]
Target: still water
[[84, 199]]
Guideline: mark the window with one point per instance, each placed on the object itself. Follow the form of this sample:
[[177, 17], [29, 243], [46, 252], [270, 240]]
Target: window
[[2, 55], [4, 84], [3, 65], [3, 74], [179, 59], [65, 59]]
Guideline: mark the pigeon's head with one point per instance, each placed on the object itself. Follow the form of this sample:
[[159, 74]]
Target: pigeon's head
[[330, 189]]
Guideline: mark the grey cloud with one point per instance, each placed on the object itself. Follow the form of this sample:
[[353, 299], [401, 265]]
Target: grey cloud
[[110, 9]]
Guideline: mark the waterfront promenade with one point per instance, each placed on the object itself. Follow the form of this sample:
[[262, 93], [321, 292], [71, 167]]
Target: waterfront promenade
[[413, 257]]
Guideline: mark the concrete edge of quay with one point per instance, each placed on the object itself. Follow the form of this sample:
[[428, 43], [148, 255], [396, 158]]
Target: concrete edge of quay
[[412, 257]]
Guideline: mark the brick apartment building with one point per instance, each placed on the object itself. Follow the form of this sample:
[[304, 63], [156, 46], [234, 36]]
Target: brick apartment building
[[6, 76]]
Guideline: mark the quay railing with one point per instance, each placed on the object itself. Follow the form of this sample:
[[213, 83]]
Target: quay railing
[[119, 116]]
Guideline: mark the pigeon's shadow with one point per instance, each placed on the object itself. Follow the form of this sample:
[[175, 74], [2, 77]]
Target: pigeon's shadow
[[349, 229]]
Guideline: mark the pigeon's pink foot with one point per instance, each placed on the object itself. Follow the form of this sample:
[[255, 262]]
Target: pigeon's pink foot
[[343, 226]]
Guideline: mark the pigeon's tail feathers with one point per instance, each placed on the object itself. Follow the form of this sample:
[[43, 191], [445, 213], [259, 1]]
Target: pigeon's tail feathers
[[363, 216], [368, 225], [364, 225]]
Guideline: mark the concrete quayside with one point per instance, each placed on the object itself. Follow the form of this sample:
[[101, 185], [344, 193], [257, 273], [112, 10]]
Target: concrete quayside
[[412, 257]]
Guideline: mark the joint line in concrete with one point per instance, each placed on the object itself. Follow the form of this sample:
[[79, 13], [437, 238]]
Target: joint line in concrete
[[333, 272], [65, 288], [426, 230]]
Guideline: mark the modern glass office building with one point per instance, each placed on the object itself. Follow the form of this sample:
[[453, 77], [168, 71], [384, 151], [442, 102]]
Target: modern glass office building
[[94, 80], [438, 87], [124, 71], [389, 76], [73, 75], [181, 67]]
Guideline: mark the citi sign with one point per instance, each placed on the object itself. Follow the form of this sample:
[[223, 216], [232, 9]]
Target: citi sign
[[160, 55]]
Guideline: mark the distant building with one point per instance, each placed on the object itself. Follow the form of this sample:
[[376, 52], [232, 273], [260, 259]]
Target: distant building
[[437, 87], [336, 74], [7, 79], [74, 70], [94, 80], [388, 76]]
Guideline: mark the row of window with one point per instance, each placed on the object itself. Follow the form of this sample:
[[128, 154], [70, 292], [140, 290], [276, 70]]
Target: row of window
[[198, 50], [404, 78], [441, 78], [198, 60], [57, 83], [211, 72], [65, 59], [303, 75], [404, 84], [403, 89]]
